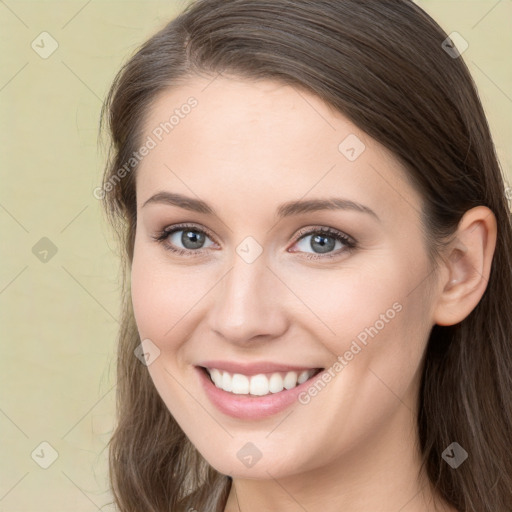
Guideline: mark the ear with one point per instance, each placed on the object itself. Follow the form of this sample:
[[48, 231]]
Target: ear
[[468, 264]]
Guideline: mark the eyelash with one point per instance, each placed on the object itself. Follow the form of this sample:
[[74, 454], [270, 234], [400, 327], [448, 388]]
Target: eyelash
[[162, 236]]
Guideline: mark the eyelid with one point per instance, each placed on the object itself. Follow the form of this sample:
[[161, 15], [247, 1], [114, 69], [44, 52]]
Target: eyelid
[[324, 229], [195, 227]]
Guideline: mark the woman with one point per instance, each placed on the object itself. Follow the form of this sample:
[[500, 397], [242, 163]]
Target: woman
[[317, 266]]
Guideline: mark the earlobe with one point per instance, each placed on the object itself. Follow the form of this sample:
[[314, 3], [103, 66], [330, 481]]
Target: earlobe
[[468, 262]]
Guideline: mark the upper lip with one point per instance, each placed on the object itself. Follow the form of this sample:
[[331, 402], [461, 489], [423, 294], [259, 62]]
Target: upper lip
[[254, 368]]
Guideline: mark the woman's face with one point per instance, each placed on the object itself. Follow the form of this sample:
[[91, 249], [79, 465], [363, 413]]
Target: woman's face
[[255, 281]]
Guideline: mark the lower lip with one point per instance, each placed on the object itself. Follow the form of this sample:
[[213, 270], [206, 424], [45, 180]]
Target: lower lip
[[250, 407]]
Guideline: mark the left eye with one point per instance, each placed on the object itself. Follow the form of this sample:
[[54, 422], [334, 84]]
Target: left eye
[[322, 242]]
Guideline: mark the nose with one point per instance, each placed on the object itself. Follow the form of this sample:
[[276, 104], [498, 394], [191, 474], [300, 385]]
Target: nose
[[248, 303]]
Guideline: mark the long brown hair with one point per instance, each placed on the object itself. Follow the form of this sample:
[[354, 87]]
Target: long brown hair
[[382, 64]]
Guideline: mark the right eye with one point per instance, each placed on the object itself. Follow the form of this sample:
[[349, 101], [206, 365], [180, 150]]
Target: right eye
[[190, 237]]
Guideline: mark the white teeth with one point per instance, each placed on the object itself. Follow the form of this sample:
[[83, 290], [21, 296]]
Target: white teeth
[[261, 384], [239, 384], [216, 377], [303, 377], [276, 383], [290, 381], [226, 382]]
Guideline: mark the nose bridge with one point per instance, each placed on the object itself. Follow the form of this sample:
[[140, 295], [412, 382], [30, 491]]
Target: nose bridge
[[246, 303]]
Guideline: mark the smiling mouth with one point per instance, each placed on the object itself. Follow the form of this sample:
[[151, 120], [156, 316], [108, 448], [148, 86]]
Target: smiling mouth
[[261, 384]]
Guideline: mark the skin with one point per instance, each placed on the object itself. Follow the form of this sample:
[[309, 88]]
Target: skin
[[246, 148]]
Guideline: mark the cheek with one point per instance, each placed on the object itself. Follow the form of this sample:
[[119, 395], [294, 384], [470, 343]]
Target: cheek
[[148, 298], [377, 313], [162, 295], [163, 302], [340, 304]]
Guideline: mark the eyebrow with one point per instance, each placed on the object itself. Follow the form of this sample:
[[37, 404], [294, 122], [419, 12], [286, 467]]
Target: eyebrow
[[284, 210]]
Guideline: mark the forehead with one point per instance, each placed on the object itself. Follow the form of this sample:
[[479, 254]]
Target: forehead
[[264, 140]]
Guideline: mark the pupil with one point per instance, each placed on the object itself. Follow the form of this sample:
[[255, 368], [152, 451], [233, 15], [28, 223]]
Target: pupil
[[323, 246], [193, 238]]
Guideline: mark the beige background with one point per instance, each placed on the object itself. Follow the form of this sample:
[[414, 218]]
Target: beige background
[[59, 317]]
